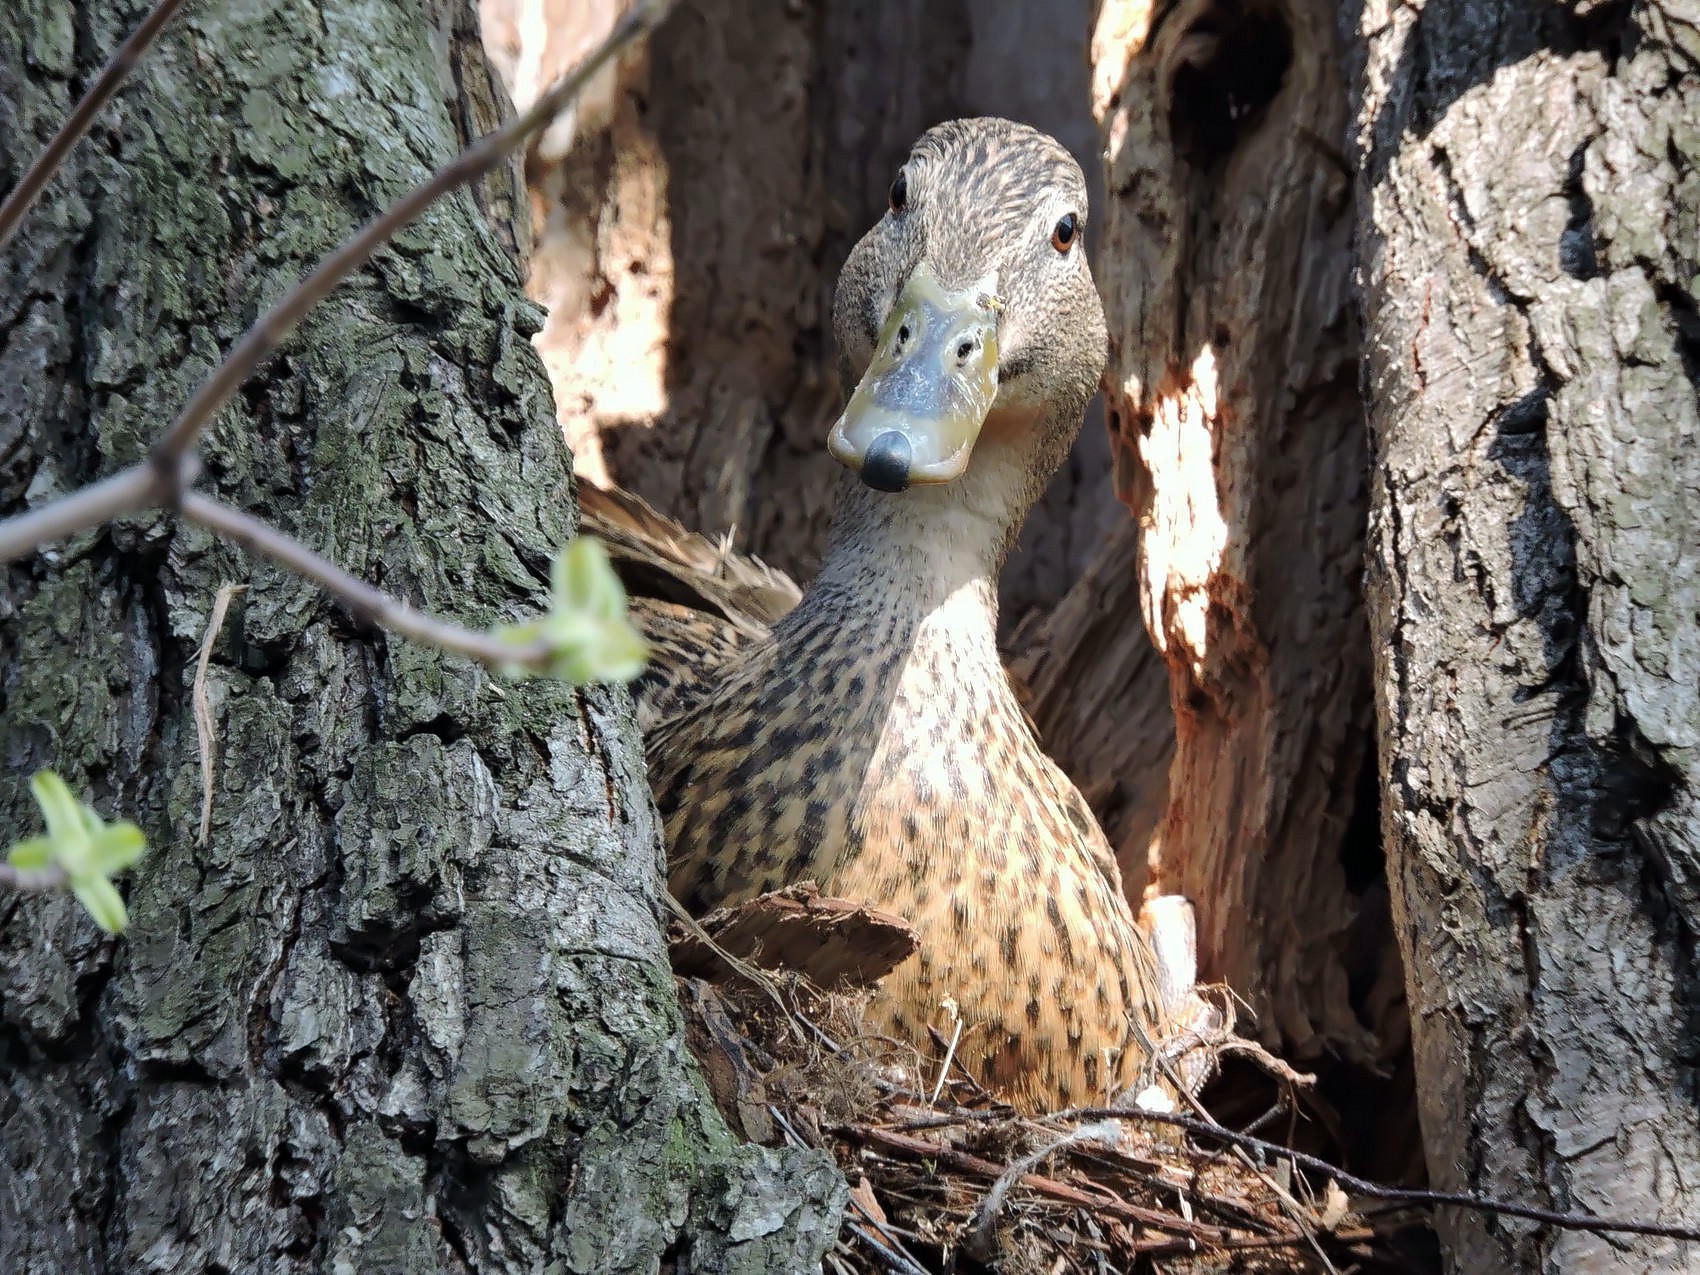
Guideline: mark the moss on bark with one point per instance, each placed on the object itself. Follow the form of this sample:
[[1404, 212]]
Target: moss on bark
[[409, 1007]]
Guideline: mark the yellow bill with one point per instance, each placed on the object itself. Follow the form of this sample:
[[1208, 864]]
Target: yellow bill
[[919, 407]]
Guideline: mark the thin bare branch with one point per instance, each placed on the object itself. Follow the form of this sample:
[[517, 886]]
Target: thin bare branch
[[166, 479], [1296, 1213], [369, 604], [877, 1233], [980, 1240], [471, 164], [127, 492], [1376, 1191], [49, 878], [24, 194], [1066, 1192]]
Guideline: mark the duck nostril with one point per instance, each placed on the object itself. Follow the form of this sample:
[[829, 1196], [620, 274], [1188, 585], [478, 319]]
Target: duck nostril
[[903, 335], [963, 351]]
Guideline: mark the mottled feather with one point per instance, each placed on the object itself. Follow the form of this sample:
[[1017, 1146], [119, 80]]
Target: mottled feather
[[698, 603]]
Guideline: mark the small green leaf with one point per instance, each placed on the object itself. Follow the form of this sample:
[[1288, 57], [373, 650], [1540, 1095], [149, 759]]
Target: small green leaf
[[614, 652], [83, 846], [115, 847], [32, 854], [585, 583], [103, 902], [589, 636], [62, 812]]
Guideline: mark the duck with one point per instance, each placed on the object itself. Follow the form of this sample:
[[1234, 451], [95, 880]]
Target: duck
[[862, 733]]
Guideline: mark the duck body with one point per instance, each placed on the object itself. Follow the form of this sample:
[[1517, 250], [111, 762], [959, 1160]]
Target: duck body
[[871, 741], [900, 769]]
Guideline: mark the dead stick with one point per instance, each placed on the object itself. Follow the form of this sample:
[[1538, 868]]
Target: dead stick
[[368, 603], [1402, 1195], [113, 74], [169, 472], [205, 734], [920, 1148], [127, 492]]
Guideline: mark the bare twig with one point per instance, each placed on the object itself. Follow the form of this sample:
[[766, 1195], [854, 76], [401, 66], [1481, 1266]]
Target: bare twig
[[921, 1148], [48, 878], [127, 492], [877, 1234], [170, 470], [472, 163], [979, 1240], [1376, 1191], [24, 194], [369, 604], [204, 735], [949, 1054], [1291, 1207]]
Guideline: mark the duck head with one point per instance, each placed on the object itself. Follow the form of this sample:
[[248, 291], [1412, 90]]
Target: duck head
[[969, 310]]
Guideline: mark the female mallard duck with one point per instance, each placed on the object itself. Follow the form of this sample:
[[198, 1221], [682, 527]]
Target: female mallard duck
[[871, 740]]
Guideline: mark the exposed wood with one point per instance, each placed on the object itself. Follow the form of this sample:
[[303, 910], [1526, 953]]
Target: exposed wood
[[1530, 259], [1239, 445]]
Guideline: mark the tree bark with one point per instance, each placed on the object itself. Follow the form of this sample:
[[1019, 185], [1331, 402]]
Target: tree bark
[[1238, 439], [1530, 257], [409, 1006]]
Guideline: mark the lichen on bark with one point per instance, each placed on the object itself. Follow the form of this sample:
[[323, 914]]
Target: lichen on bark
[[409, 1007]]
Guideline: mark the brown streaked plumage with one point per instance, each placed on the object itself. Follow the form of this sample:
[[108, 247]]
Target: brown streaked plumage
[[871, 741], [697, 603]]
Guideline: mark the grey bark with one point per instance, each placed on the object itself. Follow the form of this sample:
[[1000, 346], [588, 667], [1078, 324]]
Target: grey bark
[[409, 1008], [1530, 258]]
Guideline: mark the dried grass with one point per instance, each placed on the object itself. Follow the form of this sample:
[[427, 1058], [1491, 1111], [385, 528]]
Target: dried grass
[[965, 1183]]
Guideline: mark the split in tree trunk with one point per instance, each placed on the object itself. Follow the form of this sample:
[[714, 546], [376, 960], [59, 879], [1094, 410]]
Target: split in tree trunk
[[1238, 436]]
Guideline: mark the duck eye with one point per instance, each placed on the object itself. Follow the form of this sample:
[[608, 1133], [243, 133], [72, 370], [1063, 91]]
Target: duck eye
[[1062, 234], [900, 192]]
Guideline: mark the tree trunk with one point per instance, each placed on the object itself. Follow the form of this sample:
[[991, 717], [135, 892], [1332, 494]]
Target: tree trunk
[[1530, 256], [408, 1008], [1224, 259]]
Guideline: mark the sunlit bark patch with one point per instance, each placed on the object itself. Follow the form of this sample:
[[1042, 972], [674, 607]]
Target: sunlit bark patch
[[1186, 531]]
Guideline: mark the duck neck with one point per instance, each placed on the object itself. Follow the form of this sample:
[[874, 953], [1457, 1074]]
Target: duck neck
[[907, 555]]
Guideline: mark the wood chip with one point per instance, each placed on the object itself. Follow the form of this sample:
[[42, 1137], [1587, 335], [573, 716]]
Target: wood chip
[[836, 943]]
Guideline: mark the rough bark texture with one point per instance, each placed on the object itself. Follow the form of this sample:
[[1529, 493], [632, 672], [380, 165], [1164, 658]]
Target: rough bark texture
[[1239, 444], [1530, 257], [693, 223], [409, 1008]]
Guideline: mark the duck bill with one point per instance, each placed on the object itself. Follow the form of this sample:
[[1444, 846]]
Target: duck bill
[[918, 409]]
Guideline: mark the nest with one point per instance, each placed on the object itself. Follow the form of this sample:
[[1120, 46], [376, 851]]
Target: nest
[[946, 1178]]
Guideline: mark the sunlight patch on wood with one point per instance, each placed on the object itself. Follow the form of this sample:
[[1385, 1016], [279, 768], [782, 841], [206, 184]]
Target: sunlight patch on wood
[[1118, 37], [605, 279], [1186, 532], [533, 42]]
